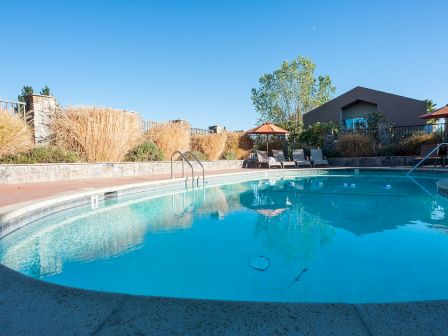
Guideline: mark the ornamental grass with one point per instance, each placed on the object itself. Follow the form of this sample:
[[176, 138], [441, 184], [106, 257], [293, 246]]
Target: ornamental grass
[[212, 145], [97, 134], [15, 135], [238, 145], [171, 137]]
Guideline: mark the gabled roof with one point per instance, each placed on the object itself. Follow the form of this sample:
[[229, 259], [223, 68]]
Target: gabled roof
[[358, 94], [440, 113]]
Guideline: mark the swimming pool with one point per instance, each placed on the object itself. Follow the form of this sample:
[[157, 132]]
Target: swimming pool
[[340, 237]]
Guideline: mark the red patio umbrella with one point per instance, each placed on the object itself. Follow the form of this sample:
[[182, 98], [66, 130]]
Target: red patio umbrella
[[268, 129], [437, 114]]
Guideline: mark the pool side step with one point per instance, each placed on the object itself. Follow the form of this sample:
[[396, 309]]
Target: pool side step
[[442, 187]]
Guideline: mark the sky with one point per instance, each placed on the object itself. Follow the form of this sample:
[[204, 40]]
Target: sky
[[198, 60]]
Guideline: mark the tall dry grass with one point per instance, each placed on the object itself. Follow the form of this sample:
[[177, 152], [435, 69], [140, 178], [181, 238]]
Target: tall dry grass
[[170, 137], [212, 145], [354, 145], [239, 144], [412, 144], [15, 136], [97, 134]]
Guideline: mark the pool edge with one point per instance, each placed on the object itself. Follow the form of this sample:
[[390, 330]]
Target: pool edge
[[29, 305]]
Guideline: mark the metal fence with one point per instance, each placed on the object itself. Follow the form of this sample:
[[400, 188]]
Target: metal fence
[[400, 133], [200, 131], [396, 134], [14, 107], [148, 125]]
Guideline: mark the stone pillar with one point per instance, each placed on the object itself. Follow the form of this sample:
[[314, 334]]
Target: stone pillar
[[39, 109]]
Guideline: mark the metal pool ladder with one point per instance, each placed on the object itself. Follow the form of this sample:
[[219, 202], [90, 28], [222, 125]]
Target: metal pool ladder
[[427, 156], [191, 166]]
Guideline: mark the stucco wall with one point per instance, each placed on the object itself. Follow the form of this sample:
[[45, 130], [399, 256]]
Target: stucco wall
[[10, 174], [358, 110]]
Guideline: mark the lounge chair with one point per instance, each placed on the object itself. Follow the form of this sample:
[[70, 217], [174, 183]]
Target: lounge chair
[[263, 159], [317, 158], [425, 150], [299, 158], [280, 157]]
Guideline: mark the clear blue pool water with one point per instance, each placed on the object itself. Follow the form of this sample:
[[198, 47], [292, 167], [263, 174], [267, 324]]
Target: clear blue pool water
[[331, 238]]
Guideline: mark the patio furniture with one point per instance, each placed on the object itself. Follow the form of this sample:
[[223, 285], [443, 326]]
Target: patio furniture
[[263, 159], [435, 156], [280, 157], [299, 158], [317, 158]]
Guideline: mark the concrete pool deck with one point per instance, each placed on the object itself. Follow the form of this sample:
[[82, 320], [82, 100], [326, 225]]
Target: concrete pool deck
[[30, 306], [33, 307]]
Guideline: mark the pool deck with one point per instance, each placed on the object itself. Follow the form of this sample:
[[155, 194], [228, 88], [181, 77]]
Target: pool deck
[[25, 192], [33, 307]]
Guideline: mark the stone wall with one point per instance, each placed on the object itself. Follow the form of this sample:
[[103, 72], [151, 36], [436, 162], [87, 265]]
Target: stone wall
[[39, 109], [12, 173], [379, 161]]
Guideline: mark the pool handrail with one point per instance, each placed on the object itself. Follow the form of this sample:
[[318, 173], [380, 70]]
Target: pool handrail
[[183, 169], [202, 166], [426, 157]]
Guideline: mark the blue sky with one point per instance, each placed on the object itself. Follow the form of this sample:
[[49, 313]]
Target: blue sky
[[198, 60]]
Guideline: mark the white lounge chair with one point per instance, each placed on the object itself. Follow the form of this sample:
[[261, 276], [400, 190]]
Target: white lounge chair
[[299, 158], [263, 158], [317, 158], [280, 157]]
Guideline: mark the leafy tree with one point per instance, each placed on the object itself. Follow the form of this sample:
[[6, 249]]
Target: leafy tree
[[290, 91], [315, 133], [45, 91], [26, 91], [374, 119], [430, 107]]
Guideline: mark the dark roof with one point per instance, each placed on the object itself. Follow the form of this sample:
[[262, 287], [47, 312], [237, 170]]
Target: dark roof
[[360, 94]]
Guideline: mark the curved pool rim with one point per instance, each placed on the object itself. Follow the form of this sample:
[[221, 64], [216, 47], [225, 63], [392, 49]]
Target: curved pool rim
[[66, 301]]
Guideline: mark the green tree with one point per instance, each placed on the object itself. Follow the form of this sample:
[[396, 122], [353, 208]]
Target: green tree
[[290, 91], [430, 107], [26, 91], [374, 119], [314, 135], [45, 91]]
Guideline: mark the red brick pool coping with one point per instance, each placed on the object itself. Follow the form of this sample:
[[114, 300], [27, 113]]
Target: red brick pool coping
[[30, 306]]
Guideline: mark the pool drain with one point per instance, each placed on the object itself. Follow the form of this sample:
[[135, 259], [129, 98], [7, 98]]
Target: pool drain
[[260, 263]]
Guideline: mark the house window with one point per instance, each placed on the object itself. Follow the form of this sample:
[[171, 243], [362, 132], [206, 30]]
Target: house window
[[355, 123]]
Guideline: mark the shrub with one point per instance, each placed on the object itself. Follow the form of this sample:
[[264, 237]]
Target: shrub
[[354, 144], [238, 146], [229, 156], [199, 155], [15, 136], [97, 134], [212, 145], [42, 154], [170, 137], [315, 133], [411, 144], [147, 151]]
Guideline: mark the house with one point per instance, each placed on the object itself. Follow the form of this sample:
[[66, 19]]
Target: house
[[353, 107]]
